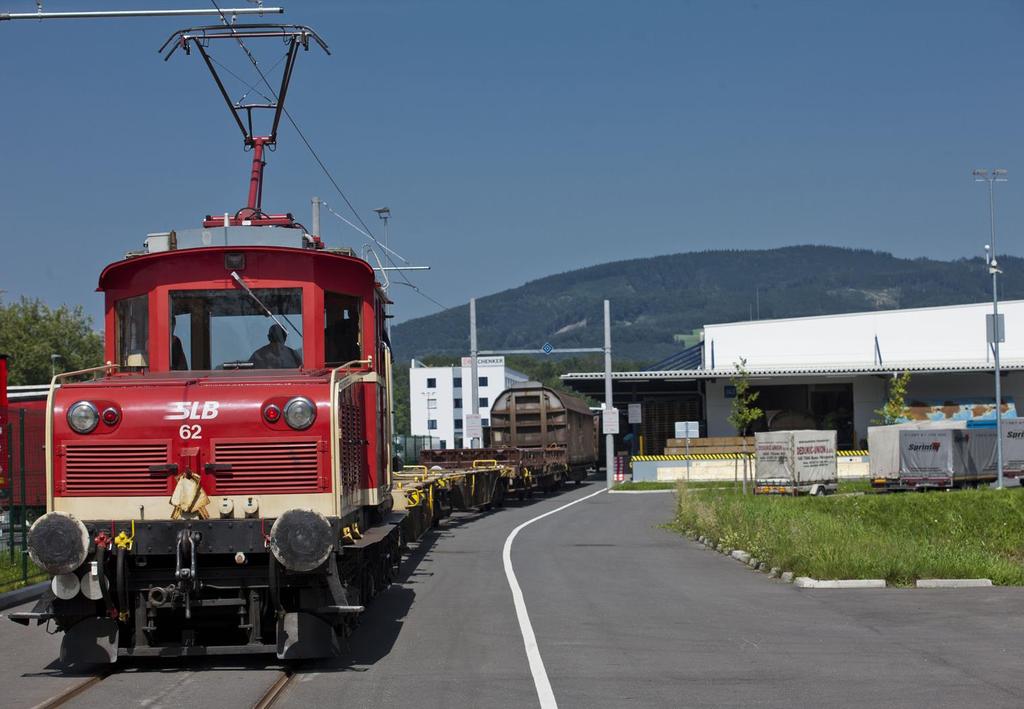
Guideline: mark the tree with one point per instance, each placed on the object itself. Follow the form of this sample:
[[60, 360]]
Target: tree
[[30, 332], [895, 408], [743, 412]]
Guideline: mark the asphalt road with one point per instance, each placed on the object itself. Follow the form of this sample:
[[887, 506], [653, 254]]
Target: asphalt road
[[625, 614]]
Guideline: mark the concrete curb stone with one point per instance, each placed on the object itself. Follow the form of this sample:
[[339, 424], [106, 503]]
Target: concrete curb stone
[[786, 577], [741, 556], [753, 562], [953, 583], [808, 582], [775, 572]]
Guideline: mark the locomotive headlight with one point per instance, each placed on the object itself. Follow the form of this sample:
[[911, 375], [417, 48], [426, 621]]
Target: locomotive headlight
[[83, 416], [299, 413]]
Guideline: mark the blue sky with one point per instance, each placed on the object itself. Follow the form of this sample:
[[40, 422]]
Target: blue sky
[[513, 140]]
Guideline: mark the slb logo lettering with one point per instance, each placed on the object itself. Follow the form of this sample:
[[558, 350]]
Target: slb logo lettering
[[192, 410]]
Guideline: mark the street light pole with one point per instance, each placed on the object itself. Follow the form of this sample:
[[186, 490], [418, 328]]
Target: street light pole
[[474, 399], [991, 177], [609, 439], [384, 213]]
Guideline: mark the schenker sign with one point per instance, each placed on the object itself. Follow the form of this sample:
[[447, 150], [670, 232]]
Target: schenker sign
[[484, 361]]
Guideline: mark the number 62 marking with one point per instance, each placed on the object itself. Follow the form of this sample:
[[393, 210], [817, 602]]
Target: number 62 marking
[[190, 431]]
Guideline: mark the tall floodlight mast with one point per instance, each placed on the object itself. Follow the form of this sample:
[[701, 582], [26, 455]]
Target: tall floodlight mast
[[294, 37], [995, 330]]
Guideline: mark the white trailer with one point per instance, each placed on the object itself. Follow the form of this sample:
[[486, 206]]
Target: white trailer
[[942, 454], [795, 462]]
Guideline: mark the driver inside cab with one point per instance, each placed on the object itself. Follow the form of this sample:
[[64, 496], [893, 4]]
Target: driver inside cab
[[275, 354]]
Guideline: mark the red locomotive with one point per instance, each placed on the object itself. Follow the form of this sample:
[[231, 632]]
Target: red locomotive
[[223, 483]]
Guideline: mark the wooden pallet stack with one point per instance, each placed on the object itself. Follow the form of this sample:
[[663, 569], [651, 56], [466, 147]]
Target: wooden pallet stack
[[711, 446]]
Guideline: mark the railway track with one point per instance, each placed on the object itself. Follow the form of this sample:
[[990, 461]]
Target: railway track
[[275, 690], [267, 700], [71, 692]]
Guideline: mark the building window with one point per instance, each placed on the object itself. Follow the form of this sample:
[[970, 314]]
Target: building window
[[483, 401], [485, 422], [432, 424], [457, 382], [431, 403], [483, 381], [457, 403], [431, 383], [458, 424]]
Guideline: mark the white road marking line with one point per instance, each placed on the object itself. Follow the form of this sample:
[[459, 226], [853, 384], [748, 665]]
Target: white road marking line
[[540, 675]]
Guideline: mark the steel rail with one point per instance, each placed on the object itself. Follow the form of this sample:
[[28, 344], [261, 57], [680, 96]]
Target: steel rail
[[71, 692], [275, 690], [137, 13]]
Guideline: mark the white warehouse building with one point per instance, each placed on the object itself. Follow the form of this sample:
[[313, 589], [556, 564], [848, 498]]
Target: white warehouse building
[[438, 402], [831, 371]]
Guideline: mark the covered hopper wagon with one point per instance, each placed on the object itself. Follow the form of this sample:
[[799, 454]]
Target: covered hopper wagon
[[531, 416]]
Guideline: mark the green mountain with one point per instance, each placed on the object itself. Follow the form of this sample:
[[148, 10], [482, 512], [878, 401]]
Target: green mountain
[[656, 303]]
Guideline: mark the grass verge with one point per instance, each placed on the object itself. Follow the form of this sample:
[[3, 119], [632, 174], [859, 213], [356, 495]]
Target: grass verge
[[670, 485], [901, 538], [646, 485], [10, 573]]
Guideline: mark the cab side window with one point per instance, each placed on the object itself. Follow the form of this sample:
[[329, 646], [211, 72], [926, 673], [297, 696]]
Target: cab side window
[[133, 331], [342, 337]]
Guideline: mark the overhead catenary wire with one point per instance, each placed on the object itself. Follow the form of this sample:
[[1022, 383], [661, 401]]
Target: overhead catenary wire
[[365, 228], [366, 234]]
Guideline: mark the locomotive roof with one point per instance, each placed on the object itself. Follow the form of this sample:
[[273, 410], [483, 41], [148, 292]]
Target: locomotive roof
[[136, 262]]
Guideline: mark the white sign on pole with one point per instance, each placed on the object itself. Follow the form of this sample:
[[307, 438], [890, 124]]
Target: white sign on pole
[[636, 413], [995, 329], [610, 421], [687, 429], [474, 427]]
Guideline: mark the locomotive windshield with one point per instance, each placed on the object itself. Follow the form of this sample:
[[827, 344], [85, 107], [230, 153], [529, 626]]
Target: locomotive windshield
[[231, 329]]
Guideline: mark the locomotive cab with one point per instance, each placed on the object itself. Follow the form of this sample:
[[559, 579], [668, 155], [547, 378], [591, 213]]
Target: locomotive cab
[[208, 489]]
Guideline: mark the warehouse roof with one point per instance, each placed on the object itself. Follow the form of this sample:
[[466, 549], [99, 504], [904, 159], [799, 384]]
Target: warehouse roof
[[937, 367]]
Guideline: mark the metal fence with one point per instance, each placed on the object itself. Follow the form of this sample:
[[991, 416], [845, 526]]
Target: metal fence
[[22, 493], [408, 447]]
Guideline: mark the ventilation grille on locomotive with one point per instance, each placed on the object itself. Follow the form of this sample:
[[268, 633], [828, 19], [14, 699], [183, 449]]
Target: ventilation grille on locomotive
[[351, 448], [268, 467], [117, 469]]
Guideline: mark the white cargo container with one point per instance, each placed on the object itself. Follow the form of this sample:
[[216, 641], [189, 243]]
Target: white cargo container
[[794, 462]]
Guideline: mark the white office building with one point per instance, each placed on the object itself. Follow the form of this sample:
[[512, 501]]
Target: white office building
[[439, 396]]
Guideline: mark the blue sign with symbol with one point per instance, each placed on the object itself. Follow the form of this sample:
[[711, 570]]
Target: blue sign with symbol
[[548, 348]]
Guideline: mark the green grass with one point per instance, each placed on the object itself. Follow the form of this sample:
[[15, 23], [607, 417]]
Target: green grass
[[898, 537], [645, 485], [10, 573], [855, 486], [667, 485]]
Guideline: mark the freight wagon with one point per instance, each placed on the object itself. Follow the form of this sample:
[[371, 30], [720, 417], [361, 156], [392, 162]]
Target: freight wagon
[[531, 416], [527, 469], [23, 474]]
